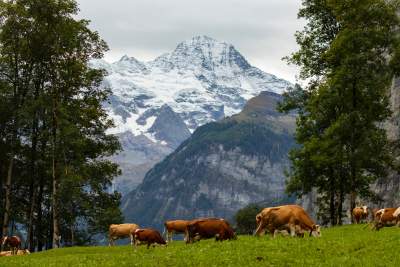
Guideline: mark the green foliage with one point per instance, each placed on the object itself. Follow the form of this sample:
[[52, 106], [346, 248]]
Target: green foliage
[[53, 125], [348, 51], [339, 246], [246, 219]]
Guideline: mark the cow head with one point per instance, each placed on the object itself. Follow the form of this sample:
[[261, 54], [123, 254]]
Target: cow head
[[258, 219], [316, 231], [4, 241], [365, 209]]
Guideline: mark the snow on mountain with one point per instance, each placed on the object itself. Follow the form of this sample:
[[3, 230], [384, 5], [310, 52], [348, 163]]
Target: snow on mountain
[[202, 80]]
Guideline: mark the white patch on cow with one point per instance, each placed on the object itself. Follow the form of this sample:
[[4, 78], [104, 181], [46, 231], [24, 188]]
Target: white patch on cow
[[365, 209]]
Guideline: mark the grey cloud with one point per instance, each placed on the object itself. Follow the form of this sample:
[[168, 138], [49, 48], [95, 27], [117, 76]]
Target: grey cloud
[[262, 30]]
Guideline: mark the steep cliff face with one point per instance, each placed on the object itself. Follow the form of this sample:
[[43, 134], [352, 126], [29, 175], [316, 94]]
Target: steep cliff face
[[389, 189], [222, 167]]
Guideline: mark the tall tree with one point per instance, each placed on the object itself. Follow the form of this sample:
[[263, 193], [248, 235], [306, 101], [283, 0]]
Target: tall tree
[[349, 54], [54, 123]]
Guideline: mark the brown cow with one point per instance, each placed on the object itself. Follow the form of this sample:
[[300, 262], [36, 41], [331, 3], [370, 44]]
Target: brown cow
[[291, 218], [14, 242], [360, 213], [387, 217], [149, 236], [209, 228], [117, 231], [177, 226]]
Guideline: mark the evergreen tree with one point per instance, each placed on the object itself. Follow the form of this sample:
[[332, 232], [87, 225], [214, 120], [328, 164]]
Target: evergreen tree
[[53, 124], [246, 219], [349, 55]]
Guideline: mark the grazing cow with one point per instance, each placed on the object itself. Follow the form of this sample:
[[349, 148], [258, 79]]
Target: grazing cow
[[360, 213], [149, 236], [117, 231], [387, 217], [209, 228], [14, 242], [177, 226], [291, 218], [9, 253]]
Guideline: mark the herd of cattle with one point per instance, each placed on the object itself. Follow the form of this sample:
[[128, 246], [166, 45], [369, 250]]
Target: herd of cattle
[[289, 220]]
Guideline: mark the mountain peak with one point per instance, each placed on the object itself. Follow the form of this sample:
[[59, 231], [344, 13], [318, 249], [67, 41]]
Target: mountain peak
[[203, 53], [131, 64], [203, 39]]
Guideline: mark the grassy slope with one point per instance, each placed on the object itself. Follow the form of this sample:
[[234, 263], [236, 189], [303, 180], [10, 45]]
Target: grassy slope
[[342, 246]]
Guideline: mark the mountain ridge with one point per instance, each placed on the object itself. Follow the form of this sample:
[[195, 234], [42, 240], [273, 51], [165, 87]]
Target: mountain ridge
[[202, 80]]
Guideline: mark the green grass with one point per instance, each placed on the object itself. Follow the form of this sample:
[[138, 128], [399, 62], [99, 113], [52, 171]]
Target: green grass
[[340, 246]]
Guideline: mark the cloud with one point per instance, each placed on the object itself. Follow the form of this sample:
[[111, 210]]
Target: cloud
[[262, 30]]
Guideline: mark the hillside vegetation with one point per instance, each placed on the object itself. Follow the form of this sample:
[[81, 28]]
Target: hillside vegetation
[[339, 246]]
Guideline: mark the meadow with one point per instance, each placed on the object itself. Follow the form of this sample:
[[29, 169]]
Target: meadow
[[351, 245]]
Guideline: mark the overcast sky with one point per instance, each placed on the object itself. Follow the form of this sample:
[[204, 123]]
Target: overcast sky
[[262, 30]]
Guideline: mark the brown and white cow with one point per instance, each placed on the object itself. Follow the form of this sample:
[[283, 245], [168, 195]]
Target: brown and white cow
[[176, 226], [13, 242], [387, 217], [291, 218], [117, 231], [10, 253], [148, 236], [209, 228], [360, 213]]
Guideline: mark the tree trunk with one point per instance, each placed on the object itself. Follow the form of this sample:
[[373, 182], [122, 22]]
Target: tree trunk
[[353, 196], [29, 241], [39, 222], [7, 208], [72, 235], [56, 231], [340, 204], [2, 197], [332, 202]]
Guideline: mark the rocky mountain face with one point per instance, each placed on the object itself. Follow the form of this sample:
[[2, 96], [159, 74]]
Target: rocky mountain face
[[389, 189], [222, 167], [157, 104]]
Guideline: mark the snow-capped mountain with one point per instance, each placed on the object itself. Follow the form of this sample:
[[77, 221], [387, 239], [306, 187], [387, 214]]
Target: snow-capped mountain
[[164, 100]]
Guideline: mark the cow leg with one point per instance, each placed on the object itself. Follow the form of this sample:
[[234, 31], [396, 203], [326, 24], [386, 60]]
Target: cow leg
[[292, 229], [170, 233], [185, 236], [131, 237], [260, 228], [274, 234]]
